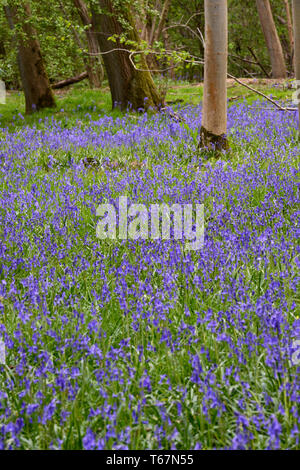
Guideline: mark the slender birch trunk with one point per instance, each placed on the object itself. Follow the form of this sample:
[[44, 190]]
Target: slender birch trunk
[[296, 20], [214, 116]]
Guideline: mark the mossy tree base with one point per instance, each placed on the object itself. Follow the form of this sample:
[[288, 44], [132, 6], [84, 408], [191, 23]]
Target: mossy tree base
[[212, 142], [130, 82], [142, 93], [35, 81]]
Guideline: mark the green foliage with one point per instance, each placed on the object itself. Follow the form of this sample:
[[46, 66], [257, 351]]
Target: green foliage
[[178, 53]]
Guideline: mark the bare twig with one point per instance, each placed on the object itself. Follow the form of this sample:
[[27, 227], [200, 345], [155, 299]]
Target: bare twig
[[240, 66], [242, 58], [198, 61], [186, 26], [149, 51], [201, 36], [258, 63], [261, 94], [187, 22]]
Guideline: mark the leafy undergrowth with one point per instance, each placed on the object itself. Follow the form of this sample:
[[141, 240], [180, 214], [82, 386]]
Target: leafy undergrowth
[[140, 344]]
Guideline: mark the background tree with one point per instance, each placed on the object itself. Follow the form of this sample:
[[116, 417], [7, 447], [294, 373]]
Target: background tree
[[289, 23], [296, 20], [272, 38], [156, 31], [66, 54], [91, 54], [35, 81], [150, 24], [94, 66], [214, 114], [128, 86]]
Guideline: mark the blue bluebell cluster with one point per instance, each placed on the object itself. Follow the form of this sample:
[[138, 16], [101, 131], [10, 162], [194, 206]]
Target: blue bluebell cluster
[[125, 344]]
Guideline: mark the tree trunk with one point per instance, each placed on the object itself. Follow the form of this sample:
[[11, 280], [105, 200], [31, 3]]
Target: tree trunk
[[93, 65], [162, 22], [155, 34], [168, 64], [141, 21], [214, 114], [296, 19], [289, 25], [35, 81], [2, 49], [129, 87], [271, 38], [157, 6]]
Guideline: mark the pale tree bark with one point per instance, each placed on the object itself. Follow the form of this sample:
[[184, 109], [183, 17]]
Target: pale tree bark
[[129, 86], [296, 20], [214, 113], [272, 39], [35, 81], [93, 63]]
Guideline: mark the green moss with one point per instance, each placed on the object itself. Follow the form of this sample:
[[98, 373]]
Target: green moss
[[211, 141]]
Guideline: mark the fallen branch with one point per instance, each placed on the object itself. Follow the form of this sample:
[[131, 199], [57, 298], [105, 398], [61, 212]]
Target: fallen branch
[[261, 94], [70, 81], [173, 114]]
